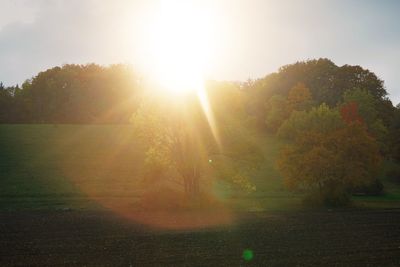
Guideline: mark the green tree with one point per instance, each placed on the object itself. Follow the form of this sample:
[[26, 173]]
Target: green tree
[[326, 81], [299, 97], [394, 133], [6, 102], [319, 119], [78, 94], [277, 111], [182, 147], [174, 143]]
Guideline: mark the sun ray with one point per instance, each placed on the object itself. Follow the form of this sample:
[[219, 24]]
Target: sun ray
[[205, 105]]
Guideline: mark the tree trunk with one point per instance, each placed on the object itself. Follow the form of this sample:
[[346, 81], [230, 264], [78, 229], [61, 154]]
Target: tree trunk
[[192, 186], [186, 185]]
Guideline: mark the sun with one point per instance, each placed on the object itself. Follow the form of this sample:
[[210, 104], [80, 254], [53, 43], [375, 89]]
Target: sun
[[179, 38]]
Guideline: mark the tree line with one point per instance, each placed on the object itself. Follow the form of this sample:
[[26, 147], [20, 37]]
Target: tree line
[[337, 121], [72, 94]]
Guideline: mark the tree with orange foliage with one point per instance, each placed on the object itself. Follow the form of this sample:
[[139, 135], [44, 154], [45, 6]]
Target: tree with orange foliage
[[349, 113], [329, 165], [279, 108]]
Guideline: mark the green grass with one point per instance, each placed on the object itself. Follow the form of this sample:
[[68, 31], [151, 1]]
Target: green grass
[[50, 166], [391, 196], [78, 166]]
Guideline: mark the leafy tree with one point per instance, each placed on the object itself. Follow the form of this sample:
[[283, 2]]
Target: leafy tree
[[393, 136], [350, 77], [76, 94], [174, 143], [182, 147], [277, 111], [366, 104], [299, 97], [363, 103], [329, 165], [350, 114], [5, 103], [8, 103], [319, 119], [326, 81], [95, 94]]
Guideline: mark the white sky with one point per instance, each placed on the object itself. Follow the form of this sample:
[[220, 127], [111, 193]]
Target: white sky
[[250, 38]]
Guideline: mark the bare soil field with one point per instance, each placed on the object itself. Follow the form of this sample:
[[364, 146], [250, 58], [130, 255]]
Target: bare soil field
[[100, 238]]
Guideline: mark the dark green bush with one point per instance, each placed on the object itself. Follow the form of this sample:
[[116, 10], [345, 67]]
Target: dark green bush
[[393, 174], [373, 189], [328, 197]]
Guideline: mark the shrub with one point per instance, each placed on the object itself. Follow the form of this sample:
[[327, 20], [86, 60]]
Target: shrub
[[372, 189], [393, 173]]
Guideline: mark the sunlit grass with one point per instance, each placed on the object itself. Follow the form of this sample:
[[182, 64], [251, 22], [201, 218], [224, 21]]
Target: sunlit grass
[[83, 166]]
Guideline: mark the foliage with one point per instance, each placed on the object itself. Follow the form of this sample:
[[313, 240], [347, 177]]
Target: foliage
[[5, 103], [349, 113], [330, 164], [75, 94], [326, 81], [174, 142], [299, 97], [96, 94], [319, 119], [181, 142], [277, 112], [278, 108], [393, 173], [372, 189], [393, 135], [365, 104], [362, 105]]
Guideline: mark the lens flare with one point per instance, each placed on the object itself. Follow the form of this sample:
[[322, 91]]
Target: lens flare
[[205, 104]]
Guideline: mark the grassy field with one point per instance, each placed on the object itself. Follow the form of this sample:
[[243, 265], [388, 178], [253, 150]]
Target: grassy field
[[60, 187], [78, 166], [57, 167]]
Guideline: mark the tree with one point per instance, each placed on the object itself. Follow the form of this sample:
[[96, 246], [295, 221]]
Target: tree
[[327, 158], [363, 105], [9, 108], [277, 111], [326, 81], [5, 104], [170, 142], [75, 94], [181, 146], [394, 133], [319, 119], [299, 97], [366, 104], [349, 113]]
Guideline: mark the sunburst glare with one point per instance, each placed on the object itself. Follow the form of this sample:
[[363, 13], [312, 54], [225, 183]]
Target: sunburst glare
[[178, 45]]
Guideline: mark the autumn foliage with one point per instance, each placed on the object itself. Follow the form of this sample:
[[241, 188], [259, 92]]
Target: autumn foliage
[[349, 113], [328, 165], [299, 97]]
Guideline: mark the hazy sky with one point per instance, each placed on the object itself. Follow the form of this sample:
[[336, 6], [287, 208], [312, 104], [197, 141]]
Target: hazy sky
[[249, 38]]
